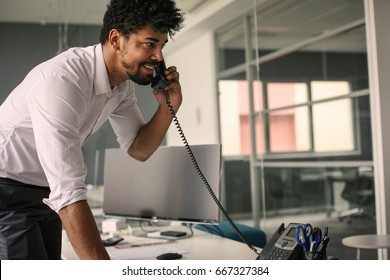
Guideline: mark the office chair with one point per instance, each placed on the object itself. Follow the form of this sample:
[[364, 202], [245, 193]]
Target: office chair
[[360, 193], [254, 236]]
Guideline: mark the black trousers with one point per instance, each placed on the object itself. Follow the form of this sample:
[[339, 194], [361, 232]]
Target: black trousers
[[29, 229]]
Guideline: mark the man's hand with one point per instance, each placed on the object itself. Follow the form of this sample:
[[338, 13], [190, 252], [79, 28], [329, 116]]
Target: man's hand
[[172, 90]]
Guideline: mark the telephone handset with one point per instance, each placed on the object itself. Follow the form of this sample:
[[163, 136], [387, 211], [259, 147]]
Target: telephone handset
[[159, 81], [283, 245]]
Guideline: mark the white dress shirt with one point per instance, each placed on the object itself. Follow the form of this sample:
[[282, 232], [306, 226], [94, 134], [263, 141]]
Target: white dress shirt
[[47, 118]]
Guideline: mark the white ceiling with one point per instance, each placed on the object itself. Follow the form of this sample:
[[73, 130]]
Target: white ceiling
[[275, 18], [71, 11], [282, 23]]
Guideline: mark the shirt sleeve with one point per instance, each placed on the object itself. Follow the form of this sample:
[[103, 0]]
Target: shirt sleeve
[[57, 107], [127, 119]]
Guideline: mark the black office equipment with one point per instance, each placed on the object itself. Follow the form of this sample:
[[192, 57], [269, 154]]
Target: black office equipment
[[173, 233], [296, 242], [159, 81], [169, 256], [283, 245], [112, 241]]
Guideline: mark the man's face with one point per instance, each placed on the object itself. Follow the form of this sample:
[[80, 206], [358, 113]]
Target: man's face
[[141, 53]]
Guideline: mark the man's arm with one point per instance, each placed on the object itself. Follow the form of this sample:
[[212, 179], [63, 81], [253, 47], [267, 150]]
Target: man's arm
[[82, 231], [151, 134]]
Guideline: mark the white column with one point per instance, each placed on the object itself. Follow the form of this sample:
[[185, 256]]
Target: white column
[[378, 46]]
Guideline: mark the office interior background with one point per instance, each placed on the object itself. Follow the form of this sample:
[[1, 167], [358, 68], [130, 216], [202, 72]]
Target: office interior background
[[295, 90]]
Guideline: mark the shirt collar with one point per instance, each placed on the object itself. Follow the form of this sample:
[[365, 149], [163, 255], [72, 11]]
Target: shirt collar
[[101, 83]]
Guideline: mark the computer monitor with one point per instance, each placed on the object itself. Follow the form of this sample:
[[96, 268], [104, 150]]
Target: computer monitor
[[165, 187]]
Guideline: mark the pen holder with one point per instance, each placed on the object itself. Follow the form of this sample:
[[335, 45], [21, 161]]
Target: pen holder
[[313, 242], [318, 252], [310, 256], [320, 255]]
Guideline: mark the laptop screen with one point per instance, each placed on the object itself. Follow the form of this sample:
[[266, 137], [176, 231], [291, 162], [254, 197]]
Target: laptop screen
[[165, 187]]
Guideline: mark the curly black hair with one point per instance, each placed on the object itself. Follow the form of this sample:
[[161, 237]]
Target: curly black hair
[[129, 16]]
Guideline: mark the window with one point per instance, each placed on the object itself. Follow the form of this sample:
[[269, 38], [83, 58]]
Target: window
[[300, 117]]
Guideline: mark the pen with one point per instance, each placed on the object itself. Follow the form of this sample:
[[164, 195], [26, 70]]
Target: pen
[[321, 248], [325, 233], [312, 250], [313, 246]]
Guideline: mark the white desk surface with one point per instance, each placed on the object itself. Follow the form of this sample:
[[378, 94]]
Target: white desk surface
[[201, 246]]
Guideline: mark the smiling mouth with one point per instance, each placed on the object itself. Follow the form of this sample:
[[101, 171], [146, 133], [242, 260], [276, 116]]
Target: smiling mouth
[[150, 67]]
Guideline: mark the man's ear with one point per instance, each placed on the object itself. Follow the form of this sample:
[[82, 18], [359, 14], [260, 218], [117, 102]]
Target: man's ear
[[114, 39]]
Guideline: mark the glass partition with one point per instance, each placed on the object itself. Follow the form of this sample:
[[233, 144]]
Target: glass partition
[[301, 136]]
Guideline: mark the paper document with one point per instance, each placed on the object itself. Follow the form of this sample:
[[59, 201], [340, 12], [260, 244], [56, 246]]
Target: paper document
[[136, 241]]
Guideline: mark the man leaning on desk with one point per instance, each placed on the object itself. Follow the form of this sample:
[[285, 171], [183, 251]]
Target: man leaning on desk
[[47, 118]]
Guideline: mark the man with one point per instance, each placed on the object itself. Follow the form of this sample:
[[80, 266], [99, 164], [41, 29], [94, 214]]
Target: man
[[47, 118]]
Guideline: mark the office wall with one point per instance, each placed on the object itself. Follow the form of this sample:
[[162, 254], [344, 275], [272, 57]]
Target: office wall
[[198, 115], [25, 45]]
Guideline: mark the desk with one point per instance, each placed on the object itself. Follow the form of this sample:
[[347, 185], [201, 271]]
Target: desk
[[201, 246], [369, 241]]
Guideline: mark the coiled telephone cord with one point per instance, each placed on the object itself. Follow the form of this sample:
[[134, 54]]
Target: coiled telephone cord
[[203, 178]]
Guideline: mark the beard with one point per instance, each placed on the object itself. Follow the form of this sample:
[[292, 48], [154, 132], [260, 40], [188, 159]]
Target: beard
[[137, 77]]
